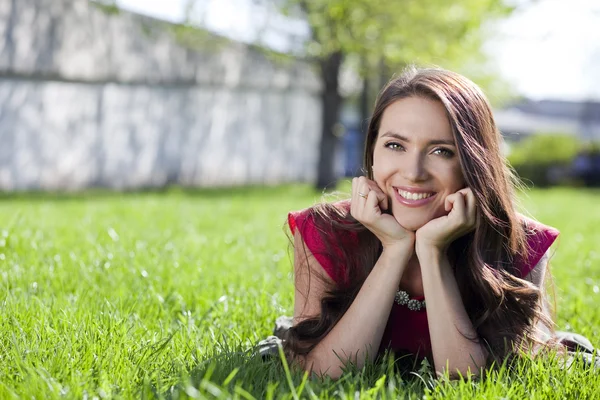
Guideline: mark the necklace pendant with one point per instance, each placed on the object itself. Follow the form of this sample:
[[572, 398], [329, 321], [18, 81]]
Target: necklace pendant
[[402, 298]]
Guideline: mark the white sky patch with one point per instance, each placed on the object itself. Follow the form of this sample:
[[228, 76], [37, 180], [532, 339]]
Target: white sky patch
[[552, 49], [248, 21], [170, 10], [242, 20]]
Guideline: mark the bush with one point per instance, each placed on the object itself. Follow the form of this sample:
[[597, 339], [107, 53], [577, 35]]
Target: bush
[[544, 159], [586, 165]]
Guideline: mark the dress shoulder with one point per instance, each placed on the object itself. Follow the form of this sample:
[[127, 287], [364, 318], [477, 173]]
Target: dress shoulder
[[539, 239], [323, 238]]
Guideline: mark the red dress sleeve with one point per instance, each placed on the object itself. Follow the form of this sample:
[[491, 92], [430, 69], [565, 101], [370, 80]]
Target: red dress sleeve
[[315, 237], [539, 239]]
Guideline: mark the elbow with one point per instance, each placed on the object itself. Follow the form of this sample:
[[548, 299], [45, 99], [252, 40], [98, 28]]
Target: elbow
[[459, 369], [460, 372], [324, 361], [322, 368]]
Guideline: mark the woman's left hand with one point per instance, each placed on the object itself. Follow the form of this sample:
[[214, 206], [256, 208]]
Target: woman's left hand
[[439, 233]]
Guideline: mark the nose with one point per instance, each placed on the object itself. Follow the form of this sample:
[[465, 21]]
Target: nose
[[414, 168]]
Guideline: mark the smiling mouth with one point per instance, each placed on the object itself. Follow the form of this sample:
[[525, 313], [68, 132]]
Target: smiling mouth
[[414, 196]]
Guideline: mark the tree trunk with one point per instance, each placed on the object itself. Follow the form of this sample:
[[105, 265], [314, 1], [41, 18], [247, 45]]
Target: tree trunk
[[365, 115], [332, 104]]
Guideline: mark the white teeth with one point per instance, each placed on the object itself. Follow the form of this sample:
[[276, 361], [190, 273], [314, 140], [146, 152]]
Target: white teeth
[[413, 196]]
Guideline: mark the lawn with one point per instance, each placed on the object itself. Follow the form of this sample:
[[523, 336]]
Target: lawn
[[161, 295]]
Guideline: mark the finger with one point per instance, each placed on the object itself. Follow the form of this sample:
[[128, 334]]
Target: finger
[[372, 206], [363, 193], [363, 187], [466, 191], [360, 193], [469, 197], [455, 204], [385, 203], [449, 202], [382, 198]]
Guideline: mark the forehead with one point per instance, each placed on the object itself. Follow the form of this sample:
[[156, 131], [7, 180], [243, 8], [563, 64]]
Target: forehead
[[416, 117]]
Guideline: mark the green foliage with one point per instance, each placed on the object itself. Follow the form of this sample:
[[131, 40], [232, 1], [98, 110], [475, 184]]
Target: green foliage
[[545, 148], [401, 32], [543, 159], [162, 295]]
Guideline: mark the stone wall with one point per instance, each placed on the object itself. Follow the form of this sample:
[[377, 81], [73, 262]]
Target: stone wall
[[89, 98]]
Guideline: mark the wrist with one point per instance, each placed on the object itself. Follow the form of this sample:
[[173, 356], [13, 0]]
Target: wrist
[[429, 253], [398, 249], [396, 258], [402, 244]]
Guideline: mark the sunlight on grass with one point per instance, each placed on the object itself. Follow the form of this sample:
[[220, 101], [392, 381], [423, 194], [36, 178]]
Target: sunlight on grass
[[164, 294]]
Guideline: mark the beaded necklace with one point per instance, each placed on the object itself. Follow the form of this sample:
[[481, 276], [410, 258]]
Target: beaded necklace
[[403, 298]]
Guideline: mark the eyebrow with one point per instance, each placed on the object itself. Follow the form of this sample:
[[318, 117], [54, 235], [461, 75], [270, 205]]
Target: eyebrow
[[405, 139]]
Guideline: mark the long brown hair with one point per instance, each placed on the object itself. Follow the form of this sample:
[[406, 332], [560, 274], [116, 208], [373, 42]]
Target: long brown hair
[[502, 307]]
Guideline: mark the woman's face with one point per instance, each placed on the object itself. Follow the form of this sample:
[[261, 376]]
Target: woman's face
[[415, 160]]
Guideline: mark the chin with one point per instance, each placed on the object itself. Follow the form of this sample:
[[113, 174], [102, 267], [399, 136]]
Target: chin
[[412, 224]]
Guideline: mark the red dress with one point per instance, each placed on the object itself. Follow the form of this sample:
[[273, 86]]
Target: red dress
[[406, 330]]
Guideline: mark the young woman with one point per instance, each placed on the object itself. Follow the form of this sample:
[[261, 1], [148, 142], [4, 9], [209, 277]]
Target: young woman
[[429, 256]]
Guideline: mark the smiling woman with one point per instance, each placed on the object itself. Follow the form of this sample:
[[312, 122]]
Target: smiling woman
[[415, 160], [429, 256]]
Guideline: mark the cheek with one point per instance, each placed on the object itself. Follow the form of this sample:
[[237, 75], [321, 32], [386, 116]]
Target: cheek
[[379, 178], [452, 177], [383, 168], [458, 178]]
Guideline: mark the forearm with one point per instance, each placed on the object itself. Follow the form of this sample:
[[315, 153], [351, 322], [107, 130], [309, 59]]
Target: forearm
[[449, 325], [357, 335]]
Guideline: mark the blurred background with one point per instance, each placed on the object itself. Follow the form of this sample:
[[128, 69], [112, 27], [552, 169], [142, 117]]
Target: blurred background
[[137, 94]]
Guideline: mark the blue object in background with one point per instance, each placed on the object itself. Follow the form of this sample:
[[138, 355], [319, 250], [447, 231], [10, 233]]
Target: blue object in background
[[353, 151], [586, 166]]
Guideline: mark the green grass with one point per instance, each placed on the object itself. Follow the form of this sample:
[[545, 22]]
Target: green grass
[[148, 295]]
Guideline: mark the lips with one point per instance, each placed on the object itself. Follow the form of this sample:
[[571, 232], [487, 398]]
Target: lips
[[413, 197]]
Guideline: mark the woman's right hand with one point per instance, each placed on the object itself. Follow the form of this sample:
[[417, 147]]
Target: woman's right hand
[[368, 205]]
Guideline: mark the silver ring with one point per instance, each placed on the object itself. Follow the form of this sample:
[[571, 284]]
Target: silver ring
[[364, 196]]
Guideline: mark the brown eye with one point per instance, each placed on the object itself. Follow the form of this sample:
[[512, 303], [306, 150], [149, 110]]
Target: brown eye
[[444, 152], [394, 146]]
